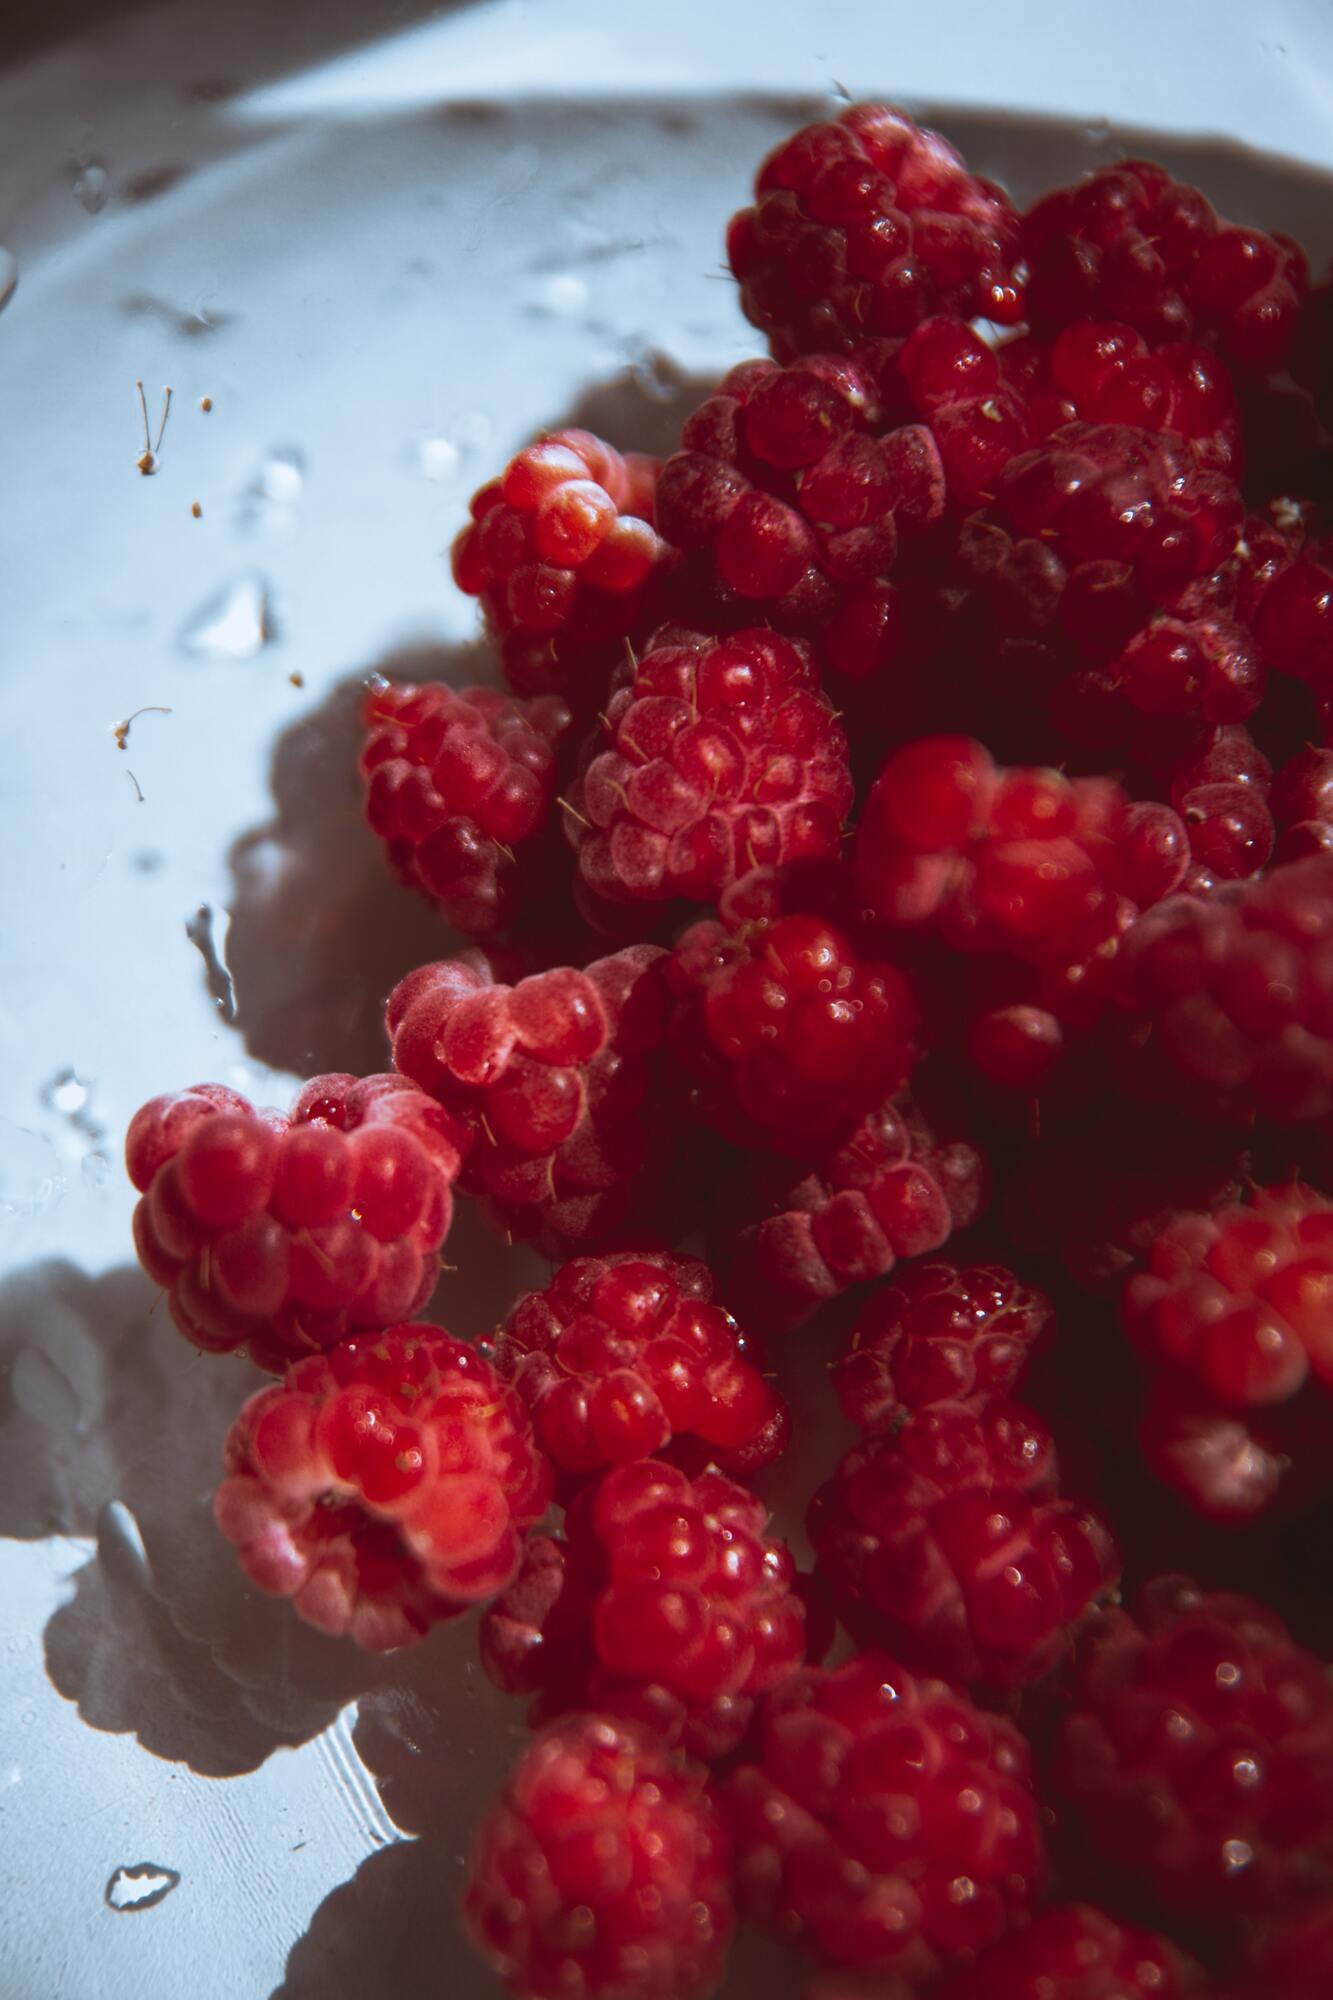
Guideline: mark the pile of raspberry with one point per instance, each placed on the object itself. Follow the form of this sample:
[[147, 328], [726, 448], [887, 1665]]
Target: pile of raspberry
[[886, 968]]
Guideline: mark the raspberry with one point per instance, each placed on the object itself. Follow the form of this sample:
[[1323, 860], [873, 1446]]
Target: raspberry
[[604, 1871], [947, 1542], [1241, 1299], [978, 422], [893, 1189], [1294, 619], [1230, 1000], [459, 785], [561, 551], [788, 500], [554, 1078], [788, 1033], [1016, 860], [669, 1604], [619, 1357], [939, 1335], [1130, 244], [886, 1823], [1105, 373], [1303, 805], [1295, 1959], [863, 227], [1078, 1953], [1198, 1754], [279, 1234], [382, 1486], [1232, 1466], [716, 759]]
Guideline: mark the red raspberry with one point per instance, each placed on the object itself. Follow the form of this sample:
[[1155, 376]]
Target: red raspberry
[[1294, 1959], [1231, 1466], [1294, 619], [1021, 861], [939, 1335], [459, 786], [947, 1542], [282, 1234], [865, 226], [1128, 243], [619, 1357], [788, 1033], [1230, 1000], [604, 1871], [1104, 373], [1303, 805], [669, 1604], [1198, 1754], [561, 551], [555, 1080], [979, 422], [382, 1486], [715, 759], [887, 1823], [893, 1189], [1078, 1953], [788, 501], [1241, 1298]]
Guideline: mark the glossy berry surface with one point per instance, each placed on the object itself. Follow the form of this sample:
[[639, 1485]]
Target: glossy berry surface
[[715, 760], [886, 1823], [382, 1486], [280, 1234], [621, 1356], [459, 786], [1242, 1299], [668, 1602], [948, 1542], [789, 1031], [1198, 1754], [561, 549], [938, 1334], [1076, 1952], [555, 1080], [1129, 243], [894, 1188], [1229, 1000], [603, 1871], [863, 226]]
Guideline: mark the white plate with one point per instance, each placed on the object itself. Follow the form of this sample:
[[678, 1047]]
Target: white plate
[[385, 272]]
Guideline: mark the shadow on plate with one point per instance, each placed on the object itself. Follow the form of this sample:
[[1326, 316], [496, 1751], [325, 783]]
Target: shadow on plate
[[320, 932]]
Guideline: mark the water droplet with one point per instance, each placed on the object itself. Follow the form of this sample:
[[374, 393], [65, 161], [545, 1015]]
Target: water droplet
[[438, 458], [70, 1095], [90, 186], [235, 625], [270, 500], [31, 1177], [120, 1545], [473, 431], [199, 930], [563, 294], [140, 1886], [9, 276], [96, 1170], [43, 1391]]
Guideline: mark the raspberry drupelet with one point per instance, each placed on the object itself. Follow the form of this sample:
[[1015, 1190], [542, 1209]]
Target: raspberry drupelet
[[886, 1824], [788, 499], [947, 1541], [1130, 244], [717, 758], [280, 1234], [938, 1334], [562, 552], [1076, 1952], [668, 1603], [556, 1081], [864, 225], [1197, 1754], [603, 1872], [623, 1356], [1294, 619], [1228, 1000], [460, 787], [1302, 805], [894, 1188], [787, 1032], [383, 1486]]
